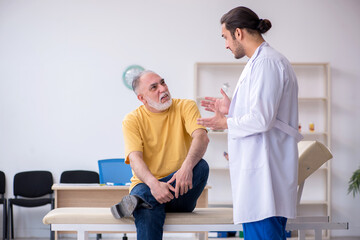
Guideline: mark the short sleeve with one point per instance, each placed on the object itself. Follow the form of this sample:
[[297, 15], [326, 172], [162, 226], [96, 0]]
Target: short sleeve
[[132, 137], [190, 115]]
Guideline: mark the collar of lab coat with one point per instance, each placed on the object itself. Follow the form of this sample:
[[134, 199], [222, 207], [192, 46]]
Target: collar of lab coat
[[247, 66], [257, 51]]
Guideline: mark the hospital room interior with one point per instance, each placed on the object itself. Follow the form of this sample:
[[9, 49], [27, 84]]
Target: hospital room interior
[[66, 70]]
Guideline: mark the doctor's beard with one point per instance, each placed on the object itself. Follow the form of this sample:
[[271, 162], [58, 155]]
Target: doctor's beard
[[159, 105], [239, 51]]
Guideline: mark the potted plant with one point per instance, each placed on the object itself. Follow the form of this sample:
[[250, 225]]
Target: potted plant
[[354, 183]]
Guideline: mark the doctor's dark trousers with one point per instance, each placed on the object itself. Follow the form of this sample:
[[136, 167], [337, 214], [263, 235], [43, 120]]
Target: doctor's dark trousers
[[272, 228]]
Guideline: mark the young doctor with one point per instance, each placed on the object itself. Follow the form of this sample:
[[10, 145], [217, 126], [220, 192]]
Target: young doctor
[[262, 121]]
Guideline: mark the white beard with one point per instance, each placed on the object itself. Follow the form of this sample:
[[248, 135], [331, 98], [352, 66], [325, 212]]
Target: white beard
[[158, 105]]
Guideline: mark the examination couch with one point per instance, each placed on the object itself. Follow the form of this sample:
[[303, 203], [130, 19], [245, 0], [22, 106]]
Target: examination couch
[[312, 155]]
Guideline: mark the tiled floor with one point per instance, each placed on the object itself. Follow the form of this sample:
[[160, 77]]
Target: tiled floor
[[173, 237], [131, 236], [185, 238], [167, 236]]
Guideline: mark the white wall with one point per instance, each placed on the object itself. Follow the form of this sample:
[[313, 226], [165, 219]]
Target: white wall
[[62, 99]]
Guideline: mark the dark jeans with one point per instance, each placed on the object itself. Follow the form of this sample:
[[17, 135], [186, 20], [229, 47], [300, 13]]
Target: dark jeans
[[150, 221]]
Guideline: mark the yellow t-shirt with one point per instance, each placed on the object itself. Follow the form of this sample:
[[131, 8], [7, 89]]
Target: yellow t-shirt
[[163, 138]]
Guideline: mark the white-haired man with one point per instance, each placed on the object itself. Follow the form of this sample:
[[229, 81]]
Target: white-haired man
[[164, 146]]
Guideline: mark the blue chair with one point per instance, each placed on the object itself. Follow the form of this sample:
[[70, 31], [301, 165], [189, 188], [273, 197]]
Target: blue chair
[[114, 172]]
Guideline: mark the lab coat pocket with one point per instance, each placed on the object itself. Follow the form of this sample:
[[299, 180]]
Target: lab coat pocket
[[248, 152]]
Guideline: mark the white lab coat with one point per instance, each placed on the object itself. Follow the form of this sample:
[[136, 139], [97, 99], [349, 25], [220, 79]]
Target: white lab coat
[[263, 159]]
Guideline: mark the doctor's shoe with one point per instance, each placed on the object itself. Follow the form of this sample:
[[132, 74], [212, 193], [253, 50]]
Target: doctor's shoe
[[126, 207]]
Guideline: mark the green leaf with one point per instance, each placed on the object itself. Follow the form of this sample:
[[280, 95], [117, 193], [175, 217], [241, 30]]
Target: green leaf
[[354, 183]]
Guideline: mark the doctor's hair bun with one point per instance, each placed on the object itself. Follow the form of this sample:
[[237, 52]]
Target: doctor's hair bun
[[264, 25], [243, 17]]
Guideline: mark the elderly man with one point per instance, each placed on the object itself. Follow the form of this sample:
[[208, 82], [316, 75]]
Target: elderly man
[[164, 146]]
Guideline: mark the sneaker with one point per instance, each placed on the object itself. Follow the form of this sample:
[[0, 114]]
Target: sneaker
[[126, 207]]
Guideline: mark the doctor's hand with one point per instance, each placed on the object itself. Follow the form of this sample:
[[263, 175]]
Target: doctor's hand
[[183, 179], [215, 104], [217, 122]]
